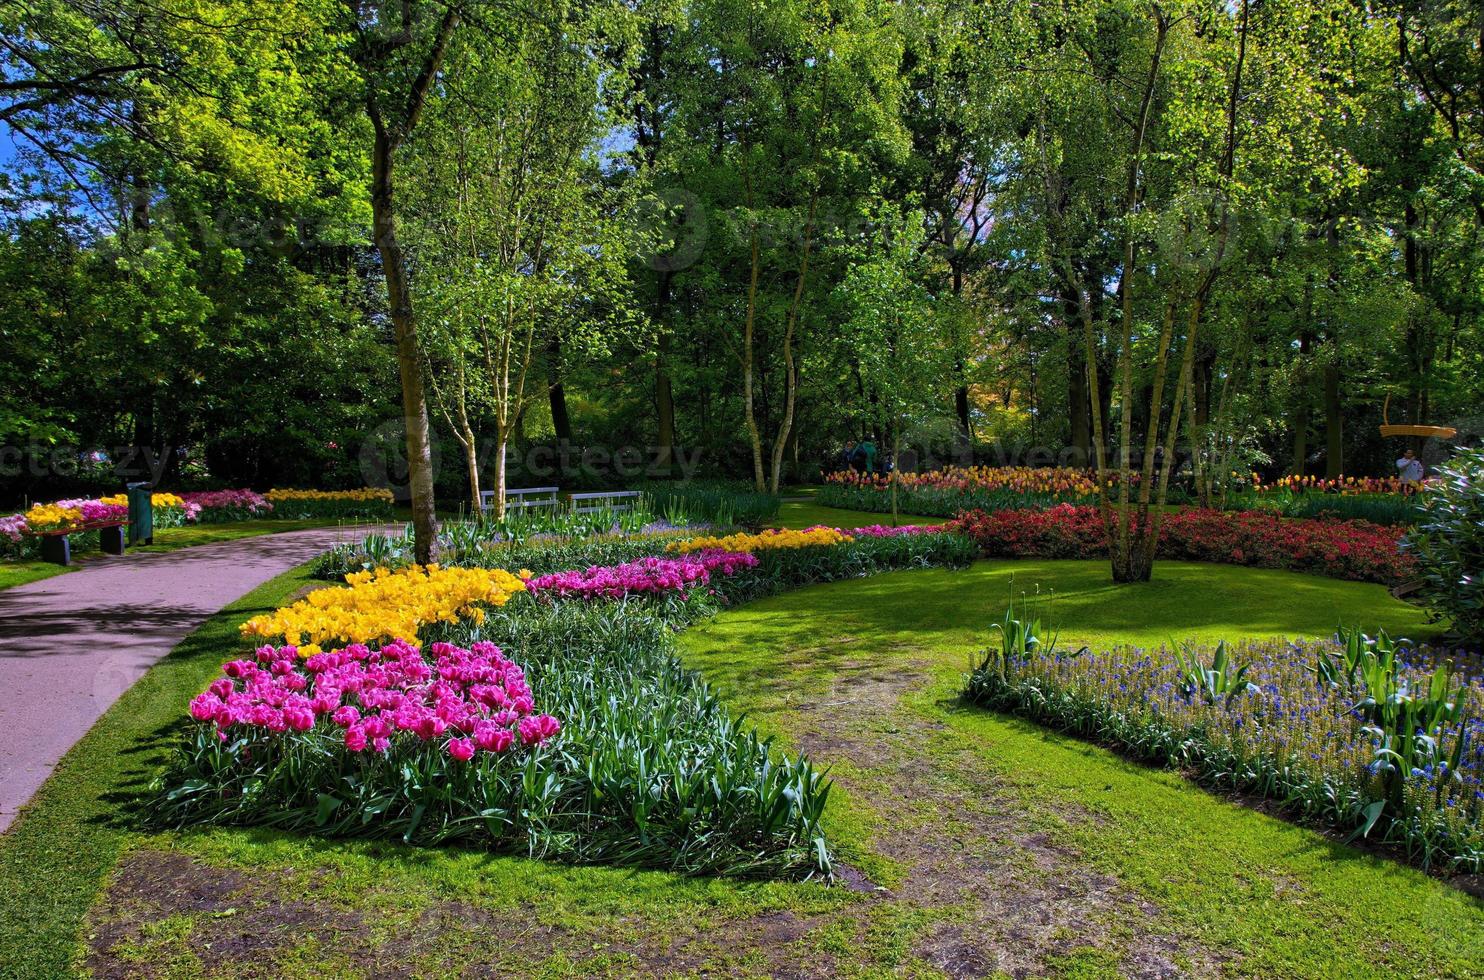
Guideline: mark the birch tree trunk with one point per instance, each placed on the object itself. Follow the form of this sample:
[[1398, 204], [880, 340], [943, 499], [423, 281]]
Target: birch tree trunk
[[409, 359]]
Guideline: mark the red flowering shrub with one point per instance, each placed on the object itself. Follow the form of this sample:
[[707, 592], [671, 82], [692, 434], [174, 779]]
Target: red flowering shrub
[[1355, 550]]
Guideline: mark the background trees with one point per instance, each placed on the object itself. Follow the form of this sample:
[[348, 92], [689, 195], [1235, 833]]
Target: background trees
[[1224, 231]]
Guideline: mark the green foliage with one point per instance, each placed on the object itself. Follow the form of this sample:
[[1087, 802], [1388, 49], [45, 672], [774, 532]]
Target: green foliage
[[1448, 544], [1405, 719], [1390, 509], [1220, 681], [715, 502]]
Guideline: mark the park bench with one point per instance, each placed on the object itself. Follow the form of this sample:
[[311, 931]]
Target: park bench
[[604, 500], [57, 549], [523, 498]]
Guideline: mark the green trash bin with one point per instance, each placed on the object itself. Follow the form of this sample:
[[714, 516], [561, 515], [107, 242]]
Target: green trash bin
[[141, 514]]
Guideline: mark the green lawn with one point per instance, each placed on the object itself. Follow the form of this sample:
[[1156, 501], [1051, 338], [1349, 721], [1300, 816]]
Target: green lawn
[[1230, 888], [14, 573], [1002, 847], [175, 538]]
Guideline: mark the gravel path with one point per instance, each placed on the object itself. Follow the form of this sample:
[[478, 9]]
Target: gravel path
[[72, 644]]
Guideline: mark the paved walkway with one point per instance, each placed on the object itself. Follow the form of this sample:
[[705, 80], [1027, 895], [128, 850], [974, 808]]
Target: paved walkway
[[72, 644]]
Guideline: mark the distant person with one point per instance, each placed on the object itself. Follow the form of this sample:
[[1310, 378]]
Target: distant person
[[868, 450], [1409, 469], [858, 458], [845, 457]]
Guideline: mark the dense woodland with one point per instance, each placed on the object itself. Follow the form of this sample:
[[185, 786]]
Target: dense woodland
[[246, 235]]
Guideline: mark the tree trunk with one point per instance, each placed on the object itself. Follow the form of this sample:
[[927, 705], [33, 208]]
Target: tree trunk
[[502, 439], [1078, 412], [1334, 436], [1127, 567], [790, 368], [750, 413], [561, 420], [961, 410], [664, 394], [471, 462], [1301, 411], [409, 360]]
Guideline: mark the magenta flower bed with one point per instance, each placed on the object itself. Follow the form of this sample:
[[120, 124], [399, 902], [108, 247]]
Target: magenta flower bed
[[227, 504], [468, 701], [1355, 550], [645, 577], [882, 531], [94, 511]]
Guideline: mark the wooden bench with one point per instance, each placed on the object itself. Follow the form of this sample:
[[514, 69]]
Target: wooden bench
[[604, 500], [57, 549], [523, 498]]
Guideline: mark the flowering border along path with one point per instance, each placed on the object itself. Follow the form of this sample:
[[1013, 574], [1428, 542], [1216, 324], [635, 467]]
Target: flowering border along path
[[71, 644]]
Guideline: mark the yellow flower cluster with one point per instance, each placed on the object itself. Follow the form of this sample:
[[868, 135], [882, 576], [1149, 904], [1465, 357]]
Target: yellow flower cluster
[[157, 500], [383, 605], [1347, 485], [763, 541], [47, 516], [368, 493]]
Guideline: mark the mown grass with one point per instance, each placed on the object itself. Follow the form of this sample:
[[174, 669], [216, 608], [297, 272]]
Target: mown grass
[[175, 538], [1265, 896], [1268, 897], [13, 573]]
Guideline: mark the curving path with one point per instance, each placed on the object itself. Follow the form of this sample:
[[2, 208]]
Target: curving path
[[70, 645]]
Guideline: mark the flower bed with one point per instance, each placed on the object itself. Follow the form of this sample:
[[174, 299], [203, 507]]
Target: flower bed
[[945, 492], [385, 605], [648, 576], [220, 506], [470, 699], [18, 531], [370, 503], [1380, 500], [882, 531], [169, 510], [767, 540], [1329, 728], [1355, 550], [1344, 485], [639, 764], [341, 740]]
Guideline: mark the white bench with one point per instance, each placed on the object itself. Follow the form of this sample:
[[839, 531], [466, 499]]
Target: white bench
[[605, 500], [523, 498]]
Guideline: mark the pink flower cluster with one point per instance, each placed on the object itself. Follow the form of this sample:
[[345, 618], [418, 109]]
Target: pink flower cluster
[[476, 699], [647, 576], [239, 500], [13, 526], [95, 510], [882, 531]]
